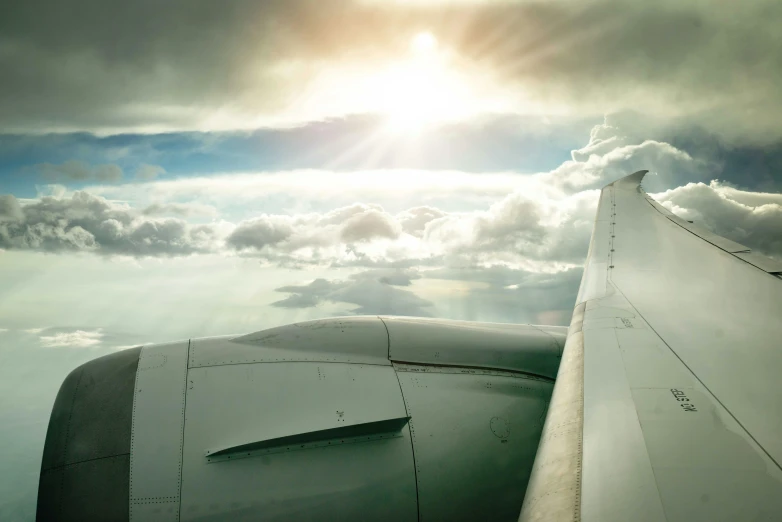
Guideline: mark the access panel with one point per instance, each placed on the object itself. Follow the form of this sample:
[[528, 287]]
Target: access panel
[[475, 434], [296, 441]]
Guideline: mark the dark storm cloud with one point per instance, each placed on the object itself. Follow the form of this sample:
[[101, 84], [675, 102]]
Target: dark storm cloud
[[111, 64]]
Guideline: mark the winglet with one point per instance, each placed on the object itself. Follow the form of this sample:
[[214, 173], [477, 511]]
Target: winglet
[[632, 180]]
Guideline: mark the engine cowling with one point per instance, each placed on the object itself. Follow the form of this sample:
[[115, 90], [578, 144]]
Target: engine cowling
[[359, 418]]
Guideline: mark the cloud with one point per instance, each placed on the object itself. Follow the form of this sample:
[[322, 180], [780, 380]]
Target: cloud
[[611, 153], [85, 222], [358, 223], [499, 293], [369, 224], [752, 219], [414, 220], [261, 60], [74, 170], [374, 292], [76, 338], [147, 172], [10, 209], [180, 209], [541, 222]]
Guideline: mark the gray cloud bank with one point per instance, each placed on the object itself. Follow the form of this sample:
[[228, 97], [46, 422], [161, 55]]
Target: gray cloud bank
[[111, 65]]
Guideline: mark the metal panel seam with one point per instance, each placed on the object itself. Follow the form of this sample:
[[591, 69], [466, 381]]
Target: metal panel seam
[[749, 434], [646, 447], [132, 436], [182, 437], [527, 375], [388, 336], [67, 435], [284, 361], [411, 430], [560, 347], [749, 250]]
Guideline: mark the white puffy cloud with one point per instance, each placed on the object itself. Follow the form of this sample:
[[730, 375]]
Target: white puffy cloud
[[414, 220], [753, 219], [84, 222], [313, 232]]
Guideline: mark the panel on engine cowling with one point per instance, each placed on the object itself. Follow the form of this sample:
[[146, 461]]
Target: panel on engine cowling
[[351, 478], [514, 347], [362, 340], [475, 435], [85, 463]]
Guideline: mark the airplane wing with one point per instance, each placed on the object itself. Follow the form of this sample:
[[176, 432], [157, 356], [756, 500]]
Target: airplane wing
[[668, 400]]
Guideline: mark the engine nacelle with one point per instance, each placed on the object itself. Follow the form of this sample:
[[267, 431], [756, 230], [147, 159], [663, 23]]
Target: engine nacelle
[[358, 418]]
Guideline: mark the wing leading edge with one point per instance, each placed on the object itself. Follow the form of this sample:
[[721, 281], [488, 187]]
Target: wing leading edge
[[667, 404]]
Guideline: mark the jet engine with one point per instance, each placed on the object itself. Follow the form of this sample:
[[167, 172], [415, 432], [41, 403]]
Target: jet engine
[[359, 418]]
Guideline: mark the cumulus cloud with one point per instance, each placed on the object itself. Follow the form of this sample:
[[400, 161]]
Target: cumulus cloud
[[84, 222], [752, 219], [65, 69], [373, 292], [358, 223], [612, 153], [414, 220]]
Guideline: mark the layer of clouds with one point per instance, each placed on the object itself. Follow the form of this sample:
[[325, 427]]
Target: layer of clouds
[[545, 222], [373, 292], [188, 64]]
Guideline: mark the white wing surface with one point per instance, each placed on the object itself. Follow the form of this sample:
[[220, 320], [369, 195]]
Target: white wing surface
[[668, 402]]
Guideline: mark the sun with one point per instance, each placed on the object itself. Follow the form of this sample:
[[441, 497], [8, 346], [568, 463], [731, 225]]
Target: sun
[[425, 86], [423, 43], [421, 91]]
